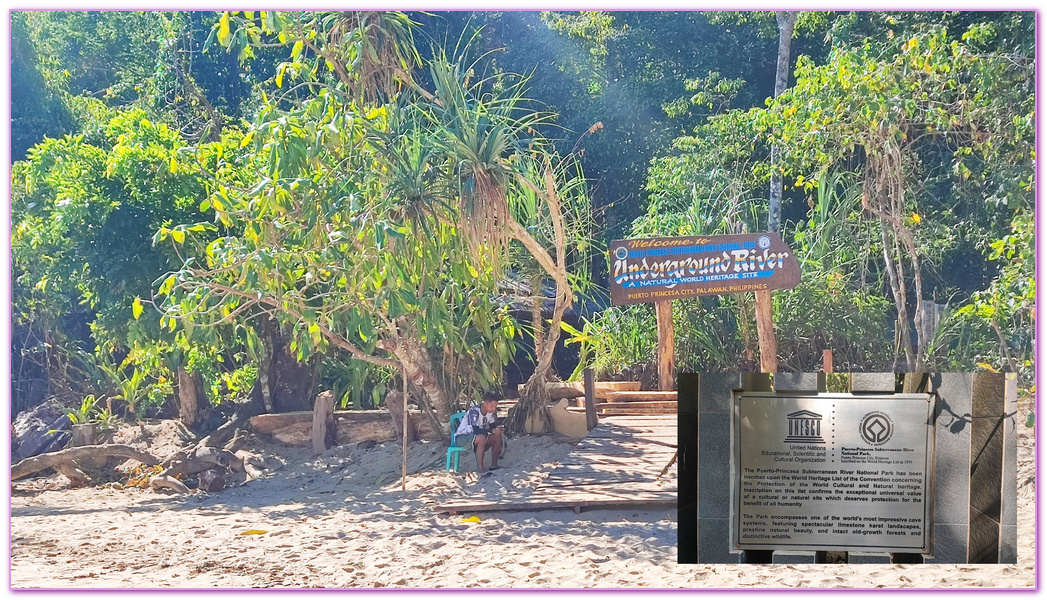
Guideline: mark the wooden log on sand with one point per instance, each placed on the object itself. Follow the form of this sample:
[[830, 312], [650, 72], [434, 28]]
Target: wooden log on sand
[[295, 428], [323, 430], [70, 455]]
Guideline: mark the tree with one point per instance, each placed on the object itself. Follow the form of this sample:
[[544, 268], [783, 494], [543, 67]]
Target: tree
[[786, 25], [933, 91]]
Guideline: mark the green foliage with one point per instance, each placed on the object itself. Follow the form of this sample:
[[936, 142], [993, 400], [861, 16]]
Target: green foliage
[[227, 376], [83, 414], [996, 326], [615, 340], [142, 380]]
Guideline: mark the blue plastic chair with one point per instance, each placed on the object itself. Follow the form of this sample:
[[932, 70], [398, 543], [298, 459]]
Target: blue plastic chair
[[454, 451]]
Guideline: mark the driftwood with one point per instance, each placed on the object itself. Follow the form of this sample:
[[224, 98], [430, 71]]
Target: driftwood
[[71, 455], [76, 477], [201, 458], [672, 461], [324, 427], [225, 432], [212, 480], [166, 481], [254, 465]]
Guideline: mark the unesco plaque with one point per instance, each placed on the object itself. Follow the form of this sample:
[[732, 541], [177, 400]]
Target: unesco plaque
[[832, 472]]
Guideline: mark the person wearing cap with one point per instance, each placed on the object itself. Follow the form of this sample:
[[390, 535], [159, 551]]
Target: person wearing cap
[[479, 422]]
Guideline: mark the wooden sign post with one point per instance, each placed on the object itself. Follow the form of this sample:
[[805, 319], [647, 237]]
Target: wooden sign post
[[661, 270], [663, 312], [765, 331]]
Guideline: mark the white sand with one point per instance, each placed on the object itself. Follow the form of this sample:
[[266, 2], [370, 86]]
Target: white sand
[[341, 521]]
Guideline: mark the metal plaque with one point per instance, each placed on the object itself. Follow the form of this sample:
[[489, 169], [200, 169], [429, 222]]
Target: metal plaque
[[832, 472], [653, 269]]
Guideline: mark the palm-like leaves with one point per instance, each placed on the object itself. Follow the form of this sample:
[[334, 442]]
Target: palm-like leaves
[[483, 134]]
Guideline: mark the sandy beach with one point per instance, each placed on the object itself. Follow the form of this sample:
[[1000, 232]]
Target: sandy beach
[[341, 520]]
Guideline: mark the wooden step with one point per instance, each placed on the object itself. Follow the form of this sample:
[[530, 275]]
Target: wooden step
[[666, 404], [637, 396], [559, 389], [637, 408]]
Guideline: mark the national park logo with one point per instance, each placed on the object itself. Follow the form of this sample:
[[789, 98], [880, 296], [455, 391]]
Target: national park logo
[[876, 428], [805, 427]]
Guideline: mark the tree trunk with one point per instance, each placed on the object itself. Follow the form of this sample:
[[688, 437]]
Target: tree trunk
[[534, 401], [415, 360], [287, 385], [786, 25]]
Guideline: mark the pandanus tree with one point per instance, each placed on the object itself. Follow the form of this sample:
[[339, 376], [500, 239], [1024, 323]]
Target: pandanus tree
[[379, 220], [510, 190], [326, 244]]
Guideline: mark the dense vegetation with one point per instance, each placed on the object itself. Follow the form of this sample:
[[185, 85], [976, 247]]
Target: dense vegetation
[[258, 204]]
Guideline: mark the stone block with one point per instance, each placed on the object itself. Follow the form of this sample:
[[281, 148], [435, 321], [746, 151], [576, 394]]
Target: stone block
[[882, 383], [799, 382], [687, 386], [868, 558], [987, 391], [986, 465], [714, 459], [983, 541], [1009, 486], [714, 542], [950, 544], [793, 558], [1009, 544], [756, 382], [714, 391], [953, 449]]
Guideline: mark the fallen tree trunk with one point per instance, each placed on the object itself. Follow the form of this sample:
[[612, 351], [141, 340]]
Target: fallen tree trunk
[[52, 459]]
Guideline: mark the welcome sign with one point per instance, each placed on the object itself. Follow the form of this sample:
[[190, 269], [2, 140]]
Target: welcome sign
[[654, 269], [832, 472]]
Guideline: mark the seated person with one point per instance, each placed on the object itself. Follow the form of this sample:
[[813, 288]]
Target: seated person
[[479, 423]]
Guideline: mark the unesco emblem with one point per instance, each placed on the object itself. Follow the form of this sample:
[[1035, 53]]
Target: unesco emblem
[[763, 242], [805, 427], [876, 428]]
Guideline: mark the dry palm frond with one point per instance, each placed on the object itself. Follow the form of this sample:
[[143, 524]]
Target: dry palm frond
[[484, 209], [378, 49]]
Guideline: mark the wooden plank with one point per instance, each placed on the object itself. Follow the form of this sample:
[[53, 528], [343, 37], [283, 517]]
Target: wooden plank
[[603, 480], [579, 473], [626, 421], [625, 462], [501, 505]]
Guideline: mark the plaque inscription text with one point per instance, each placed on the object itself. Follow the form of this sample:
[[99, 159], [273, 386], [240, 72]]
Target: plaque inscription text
[[832, 472]]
